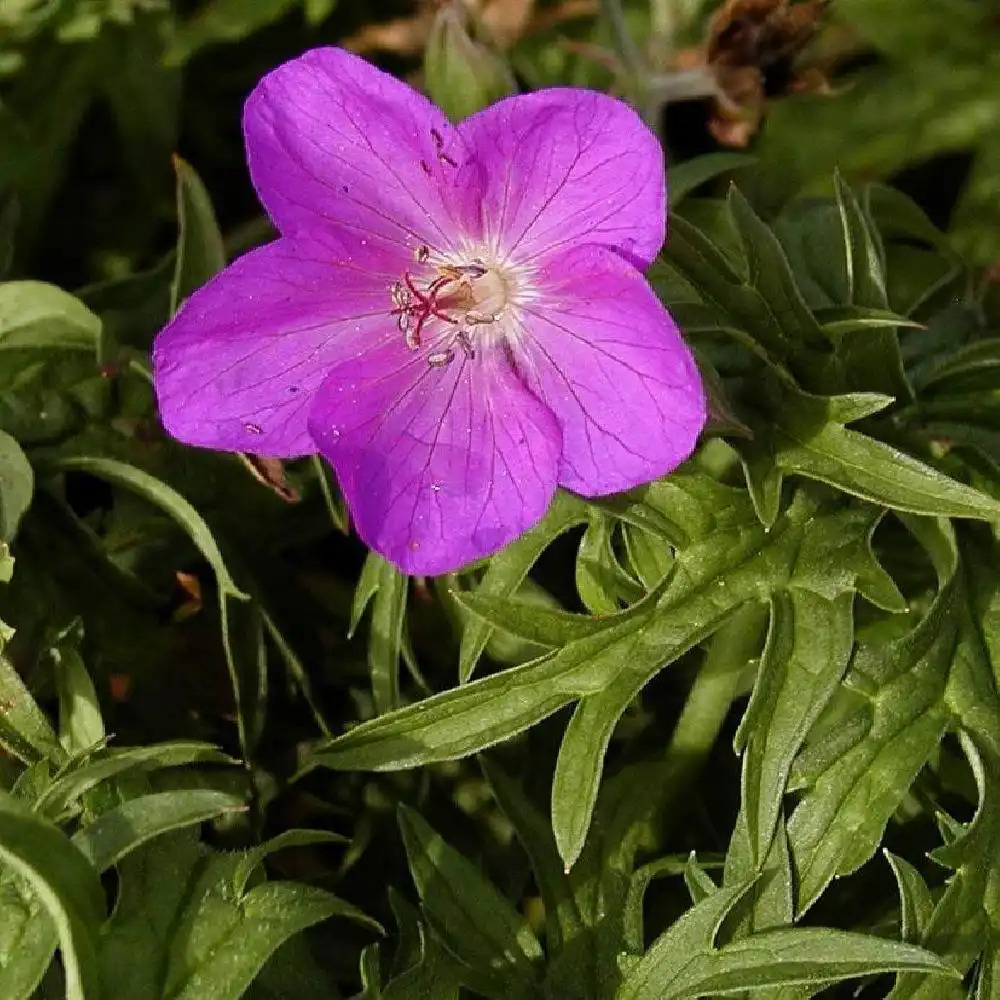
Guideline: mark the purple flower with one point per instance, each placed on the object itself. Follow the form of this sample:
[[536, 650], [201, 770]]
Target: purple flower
[[454, 316]]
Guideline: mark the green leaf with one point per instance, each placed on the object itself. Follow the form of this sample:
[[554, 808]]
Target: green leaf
[[318, 11], [916, 901], [366, 588], [17, 484], [27, 940], [80, 724], [731, 564], [772, 958], [200, 250], [812, 441], [242, 620], [840, 320], [385, 636], [562, 918], [435, 973], [633, 920], [121, 830], [770, 902], [684, 178], [296, 972], [38, 315], [475, 919], [864, 263], [962, 925], [25, 731], [959, 927], [808, 646], [508, 569], [223, 21], [461, 721], [67, 885], [252, 859], [650, 558], [979, 359], [699, 883], [529, 620], [763, 477], [601, 581], [689, 938], [580, 762], [869, 358], [183, 929], [746, 317], [246, 659], [811, 233], [897, 216], [76, 781], [839, 822], [771, 276], [161, 495], [656, 795], [224, 963]]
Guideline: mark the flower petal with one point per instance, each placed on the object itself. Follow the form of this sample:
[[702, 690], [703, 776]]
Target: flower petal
[[599, 349], [334, 143], [569, 166], [238, 366], [439, 465]]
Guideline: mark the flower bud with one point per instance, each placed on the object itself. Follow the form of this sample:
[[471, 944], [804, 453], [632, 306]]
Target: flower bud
[[461, 74]]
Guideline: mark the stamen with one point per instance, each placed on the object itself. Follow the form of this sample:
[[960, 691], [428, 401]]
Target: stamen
[[441, 359], [480, 319], [447, 296], [473, 270]]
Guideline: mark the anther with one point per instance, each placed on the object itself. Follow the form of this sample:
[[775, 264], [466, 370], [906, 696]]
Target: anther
[[470, 270], [480, 319], [440, 359]]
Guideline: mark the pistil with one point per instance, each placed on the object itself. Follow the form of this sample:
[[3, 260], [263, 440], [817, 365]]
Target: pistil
[[463, 296]]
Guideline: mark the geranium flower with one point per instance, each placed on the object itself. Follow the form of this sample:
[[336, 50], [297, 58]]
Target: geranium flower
[[453, 315]]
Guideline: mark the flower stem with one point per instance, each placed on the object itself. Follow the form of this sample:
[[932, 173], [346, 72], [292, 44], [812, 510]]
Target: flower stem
[[682, 85]]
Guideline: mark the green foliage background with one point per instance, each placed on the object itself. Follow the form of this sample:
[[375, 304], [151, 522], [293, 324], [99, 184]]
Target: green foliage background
[[736, 733]]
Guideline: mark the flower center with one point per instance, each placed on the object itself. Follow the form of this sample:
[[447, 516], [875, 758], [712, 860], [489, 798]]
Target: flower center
[[466, 299]]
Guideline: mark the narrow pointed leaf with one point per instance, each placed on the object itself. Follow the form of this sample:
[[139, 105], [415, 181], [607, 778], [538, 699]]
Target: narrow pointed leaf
[[67, 885], [200, 251], [508, 569], [121, 830], [478, 922], [17, 483], [777, 958]]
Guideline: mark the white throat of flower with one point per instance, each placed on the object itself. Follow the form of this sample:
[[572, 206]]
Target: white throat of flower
[[464, 302]]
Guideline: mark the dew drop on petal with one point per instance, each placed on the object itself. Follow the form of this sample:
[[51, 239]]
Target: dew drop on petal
[[436, 487], [253, 428]]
